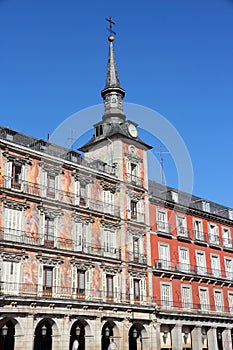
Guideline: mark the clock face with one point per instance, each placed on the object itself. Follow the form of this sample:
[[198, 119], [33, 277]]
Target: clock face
[[133, 130]]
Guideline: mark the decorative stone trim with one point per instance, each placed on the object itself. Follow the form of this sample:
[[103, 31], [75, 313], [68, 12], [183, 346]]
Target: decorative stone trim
[[80, 218], [134, 232], [14, 257], [132, 157], [110, 225], [84, 179], [80, 265], [15, 158], [50, 212], [7, 203], [134, 196], [109, 186], [49, 261], [51, 168], [137, 274], [112, 270]]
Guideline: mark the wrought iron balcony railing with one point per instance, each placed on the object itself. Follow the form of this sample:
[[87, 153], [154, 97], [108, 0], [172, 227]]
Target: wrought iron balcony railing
[[134, 180], [137, 258], [28, 238], [63, 196], [163, 227], [171, 266], [183, 232]]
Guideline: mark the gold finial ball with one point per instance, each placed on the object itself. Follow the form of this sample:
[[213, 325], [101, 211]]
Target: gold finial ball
[[111, 38]]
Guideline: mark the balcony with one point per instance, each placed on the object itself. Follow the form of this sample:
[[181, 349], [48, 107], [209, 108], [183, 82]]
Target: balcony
[[183, 233], [214, 240], [171, 267], [137, 258], [63, 196], [189, 306], [134, 180], [200, 237], [163, 228]]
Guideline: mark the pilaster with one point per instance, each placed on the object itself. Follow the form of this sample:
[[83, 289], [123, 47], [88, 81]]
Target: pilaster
[[176, 338]]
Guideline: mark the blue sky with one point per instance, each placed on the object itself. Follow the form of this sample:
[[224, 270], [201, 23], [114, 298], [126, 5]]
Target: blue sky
[[173, 56]]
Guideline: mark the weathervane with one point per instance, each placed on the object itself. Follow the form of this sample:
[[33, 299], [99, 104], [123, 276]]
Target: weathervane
[[111, 37]]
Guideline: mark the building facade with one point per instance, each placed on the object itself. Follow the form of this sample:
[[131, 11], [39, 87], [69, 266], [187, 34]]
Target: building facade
[[96, 256]]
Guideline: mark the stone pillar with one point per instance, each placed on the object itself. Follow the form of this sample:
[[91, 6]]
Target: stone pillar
[[65, 331], [155, 336], [24, 338], [176, 333], [212, 339], [226, 339], [196, 338]]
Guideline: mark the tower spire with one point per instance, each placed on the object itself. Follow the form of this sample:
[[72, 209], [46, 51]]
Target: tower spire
[[112, 94]]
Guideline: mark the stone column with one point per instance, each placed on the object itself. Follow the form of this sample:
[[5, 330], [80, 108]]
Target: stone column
[[226, 339], [177, 338], [65, 331], [196, 338], [155, 336], [212, 339], [24, 338]]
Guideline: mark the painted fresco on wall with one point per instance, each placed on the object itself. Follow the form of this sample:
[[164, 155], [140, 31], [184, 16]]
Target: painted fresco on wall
[[32, 222], [66, 194], [97, 278], [96, 239], [66, 276], [30, 275], [33, 177], [65, 230]]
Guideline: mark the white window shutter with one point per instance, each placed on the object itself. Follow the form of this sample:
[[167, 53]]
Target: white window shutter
[[88, 283], [104, 285], [117, 288], [77, 238], [57, 279], [143, 289], [140, 210], [42, 228], [131, 290], [44, 183], [8, 174], [57, 186], [128, 208], [128, 167], [56, 232], [40, 277], [74, 280]]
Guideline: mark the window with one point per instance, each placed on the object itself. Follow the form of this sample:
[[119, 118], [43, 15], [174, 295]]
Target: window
[[226, 237], [12, 224], [229, 268], [218, 300], [164, 255], [213, 233], [108, 202], [51, 186], [201, 262], [133, 208], [133, 173], [11, 277], [162, 224], [99, 130], [174, 196], [199, 235], [166, 294], [186, 294], [215, 264], [16, 176], [181, 225], [206, 206], [80, 287], [47, 281], [109, 243], [136, 284], [184, 259], [79, 236], [230, 301], [49, 232], [109, 285], [204, 298], [136, 249]]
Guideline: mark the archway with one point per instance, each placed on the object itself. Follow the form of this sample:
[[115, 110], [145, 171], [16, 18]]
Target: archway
[[7, 336], [77, 335], [43, 335], [136, 334]]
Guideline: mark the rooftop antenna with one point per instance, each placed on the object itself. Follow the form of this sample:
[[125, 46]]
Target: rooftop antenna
[[161, 152], [72, 137], [110, 25]]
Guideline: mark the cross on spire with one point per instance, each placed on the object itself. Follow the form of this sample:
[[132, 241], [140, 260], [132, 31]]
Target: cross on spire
[[110, 25]]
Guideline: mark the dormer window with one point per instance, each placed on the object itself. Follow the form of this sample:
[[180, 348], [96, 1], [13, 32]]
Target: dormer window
[[99, 130]]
